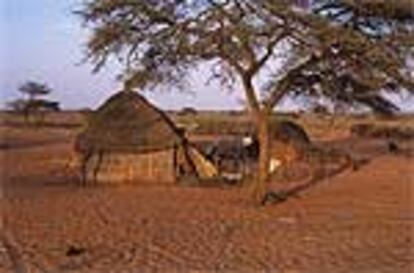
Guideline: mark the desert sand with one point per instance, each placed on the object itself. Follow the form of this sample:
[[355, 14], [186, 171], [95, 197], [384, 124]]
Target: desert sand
[[357, 221]]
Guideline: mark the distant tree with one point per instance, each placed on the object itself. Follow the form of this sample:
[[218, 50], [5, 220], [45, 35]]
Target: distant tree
[[34, 89], [319, 55], [34, 106], [43, 105]]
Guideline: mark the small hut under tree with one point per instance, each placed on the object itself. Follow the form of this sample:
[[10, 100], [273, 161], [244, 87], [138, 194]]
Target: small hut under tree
[[289, 131], [129, 140], [289, 142]]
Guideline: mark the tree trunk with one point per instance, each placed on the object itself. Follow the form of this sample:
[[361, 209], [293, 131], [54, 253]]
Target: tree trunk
[[260, 116], [259, 184]]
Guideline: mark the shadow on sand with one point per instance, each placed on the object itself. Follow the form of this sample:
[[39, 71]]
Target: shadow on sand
[[277, 197]]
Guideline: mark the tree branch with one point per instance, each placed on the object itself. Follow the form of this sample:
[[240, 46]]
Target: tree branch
[[258, 64], [251, 96], [282, 86]]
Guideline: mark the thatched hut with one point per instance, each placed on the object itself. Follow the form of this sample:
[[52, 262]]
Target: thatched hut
[[289, 141], [236, 158], [128, 139], [289, 131]]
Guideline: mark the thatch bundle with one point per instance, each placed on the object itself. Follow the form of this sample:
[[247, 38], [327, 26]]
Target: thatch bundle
[[129, 139]]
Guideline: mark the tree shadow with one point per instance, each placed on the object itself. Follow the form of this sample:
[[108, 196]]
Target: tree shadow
[[281, 196]]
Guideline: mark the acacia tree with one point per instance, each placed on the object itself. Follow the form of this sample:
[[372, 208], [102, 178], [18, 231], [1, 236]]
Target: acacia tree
[[33, 105], [267, 48], [34, 89]]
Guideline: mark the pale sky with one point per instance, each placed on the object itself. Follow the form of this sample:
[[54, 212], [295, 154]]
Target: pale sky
[[42, 40]]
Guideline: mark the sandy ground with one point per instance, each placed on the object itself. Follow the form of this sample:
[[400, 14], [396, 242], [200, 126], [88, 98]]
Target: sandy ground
[[359, 221]]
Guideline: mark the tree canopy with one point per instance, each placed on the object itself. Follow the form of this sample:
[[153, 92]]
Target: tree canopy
[[34, 89], [35, 104], [347, 51]]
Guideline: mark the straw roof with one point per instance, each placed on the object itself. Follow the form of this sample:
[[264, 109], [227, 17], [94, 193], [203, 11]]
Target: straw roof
[[289, 131], [127, 122]]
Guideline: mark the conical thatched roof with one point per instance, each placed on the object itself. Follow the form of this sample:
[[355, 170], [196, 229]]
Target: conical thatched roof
[[127, 122]]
